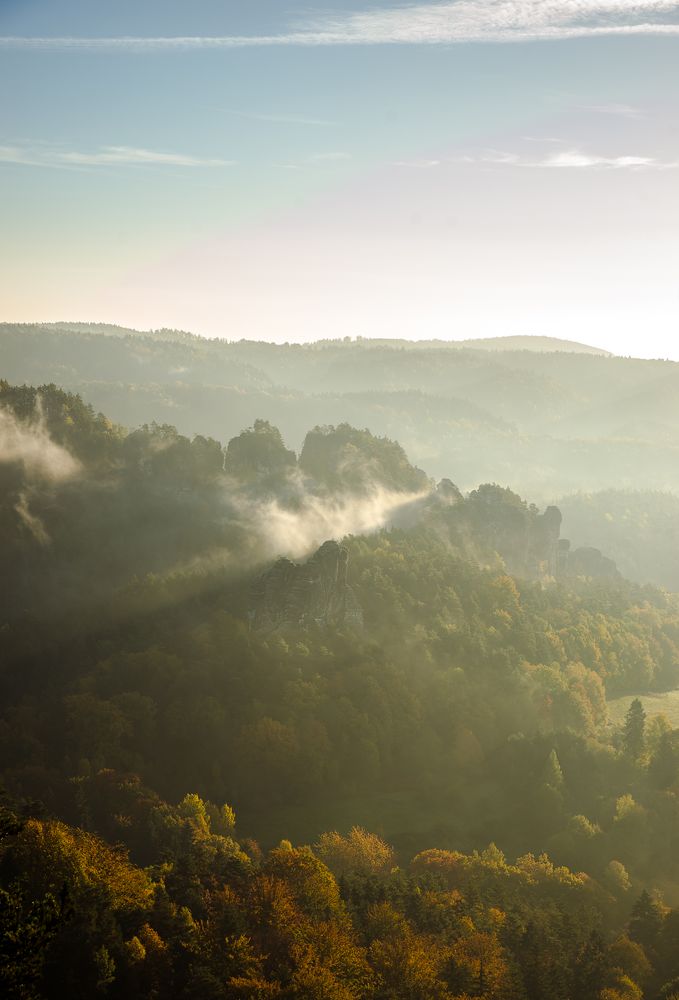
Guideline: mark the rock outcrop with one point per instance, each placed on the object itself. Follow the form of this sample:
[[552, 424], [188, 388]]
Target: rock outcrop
[[590, 562], [543, 543], [312, 593], [528, 542], [317, 593], [552, 556]]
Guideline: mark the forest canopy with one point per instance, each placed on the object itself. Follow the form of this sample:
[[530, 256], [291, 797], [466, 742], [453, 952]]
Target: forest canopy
[[203, 800]]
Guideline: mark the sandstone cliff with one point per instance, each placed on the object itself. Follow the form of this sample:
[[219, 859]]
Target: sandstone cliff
[[312, 593]]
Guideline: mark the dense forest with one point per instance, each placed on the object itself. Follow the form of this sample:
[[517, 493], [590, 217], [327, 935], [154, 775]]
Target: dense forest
[[380, 769], [549, 422]]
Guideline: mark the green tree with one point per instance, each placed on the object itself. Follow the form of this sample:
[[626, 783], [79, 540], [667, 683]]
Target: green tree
[[634, 732], [646, 922]]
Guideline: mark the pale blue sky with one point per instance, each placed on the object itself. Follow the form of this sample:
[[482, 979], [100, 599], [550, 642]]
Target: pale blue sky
[[453, 169]]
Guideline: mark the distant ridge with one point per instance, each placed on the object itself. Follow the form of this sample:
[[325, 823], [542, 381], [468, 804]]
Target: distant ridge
[[533, 343], [111, 330], [546, 415], [525, 342], [510, 343]]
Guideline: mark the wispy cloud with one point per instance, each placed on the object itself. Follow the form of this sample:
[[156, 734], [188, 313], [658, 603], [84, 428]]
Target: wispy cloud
[[15, 154], [424, 163], [500, 157], [564, 159], [504, 21], [45, 156], [131, 156], [425, 23], [575, 159]]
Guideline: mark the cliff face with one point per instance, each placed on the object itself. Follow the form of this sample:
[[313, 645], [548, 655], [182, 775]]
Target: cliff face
[[588, 561], [543, 545], [315, 592], [528, 542], [500, 520], [549, 555]]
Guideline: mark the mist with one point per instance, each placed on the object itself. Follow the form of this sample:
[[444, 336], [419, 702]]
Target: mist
[[29, 443], [297, 530]]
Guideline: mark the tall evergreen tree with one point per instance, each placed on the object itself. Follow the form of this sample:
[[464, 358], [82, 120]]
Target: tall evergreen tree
[[634, 733], [646, 921]]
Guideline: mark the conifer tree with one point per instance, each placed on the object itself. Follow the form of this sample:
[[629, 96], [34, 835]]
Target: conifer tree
[[634, 733]]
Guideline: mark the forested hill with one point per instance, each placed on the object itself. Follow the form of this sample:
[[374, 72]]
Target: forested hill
[[519, 839], [639, 529], [546, 422], [89, 506], [532, 343]]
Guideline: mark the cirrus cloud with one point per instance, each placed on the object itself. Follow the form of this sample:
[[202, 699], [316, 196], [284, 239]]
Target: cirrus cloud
[[576, 159], [424, 23], [42, 155]]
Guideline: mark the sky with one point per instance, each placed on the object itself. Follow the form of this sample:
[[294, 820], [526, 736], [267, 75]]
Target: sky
[[291, 172]]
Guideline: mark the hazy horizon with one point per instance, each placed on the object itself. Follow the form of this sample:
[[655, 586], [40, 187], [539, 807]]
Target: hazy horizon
[[443, 170], [571, 345]]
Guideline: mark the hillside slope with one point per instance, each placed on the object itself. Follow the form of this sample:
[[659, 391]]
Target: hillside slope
[[546, 422]]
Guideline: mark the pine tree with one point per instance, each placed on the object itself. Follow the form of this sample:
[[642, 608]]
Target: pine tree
[[634, 733], [552, 774], [590, 969], [646, 921]]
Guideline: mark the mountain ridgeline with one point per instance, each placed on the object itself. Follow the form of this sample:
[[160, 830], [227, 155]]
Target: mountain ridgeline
[[546, 422], [89, 506], [211, 653]]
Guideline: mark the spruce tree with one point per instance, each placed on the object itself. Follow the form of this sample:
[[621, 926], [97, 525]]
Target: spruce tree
[[634, 732]]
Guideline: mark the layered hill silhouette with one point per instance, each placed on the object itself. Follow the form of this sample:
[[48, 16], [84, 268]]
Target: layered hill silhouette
[[547, 417]]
